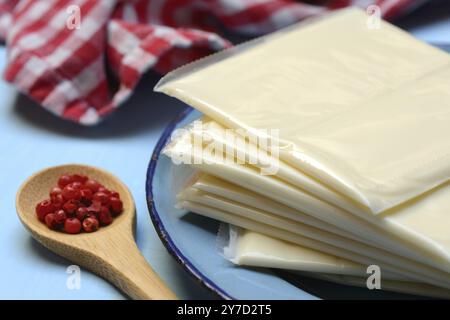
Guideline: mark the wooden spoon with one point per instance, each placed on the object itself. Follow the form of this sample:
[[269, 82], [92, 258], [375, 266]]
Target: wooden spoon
[[110, 252]]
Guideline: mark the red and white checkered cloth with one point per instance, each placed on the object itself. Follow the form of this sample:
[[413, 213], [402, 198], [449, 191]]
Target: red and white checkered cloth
[[68, 71]]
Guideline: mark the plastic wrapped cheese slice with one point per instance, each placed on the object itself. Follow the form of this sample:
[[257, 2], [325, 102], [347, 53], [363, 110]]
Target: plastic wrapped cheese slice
[[234, 145], [435, 206], [248, 248], [414, 288], [365, 111], [244, 222], [417, 247], [355, 248], [407, 221], [215, 187]]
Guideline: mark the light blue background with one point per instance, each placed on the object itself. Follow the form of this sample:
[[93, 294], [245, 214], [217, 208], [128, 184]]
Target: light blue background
[[31, 139]]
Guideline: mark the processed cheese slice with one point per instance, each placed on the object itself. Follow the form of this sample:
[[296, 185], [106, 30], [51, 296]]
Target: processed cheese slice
[[414, 288], [363, 111], [426, 216], [248, 248], [378, 256], [246, 223], [417, 247], [234, 145]]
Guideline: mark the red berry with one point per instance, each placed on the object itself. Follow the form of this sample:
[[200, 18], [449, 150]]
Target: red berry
[[104, 190], [50, 221], [93, 215], [105, 216], [64, 180], [82, 213], [90, 224], [43, 208], [79, 203], [94, 209], [55, 192], [76, 185], [57, 200], [96, 206], [80, 178], [93, 185], [60, 217], [114, 194], [72, 225], [101, 197], [71, 193], [116, 205], [86, 195], [70, 207]]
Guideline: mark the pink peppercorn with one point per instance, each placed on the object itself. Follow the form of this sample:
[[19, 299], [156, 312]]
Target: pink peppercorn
[[43, 208], [90, 224], [72, 225], [64, 180], [50, 221], [70, 207], [60, 217], [104, 216], [82, 213], [115, 205], [79, 204]]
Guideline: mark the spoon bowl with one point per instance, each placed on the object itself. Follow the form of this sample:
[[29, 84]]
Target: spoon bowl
[[111, 251]]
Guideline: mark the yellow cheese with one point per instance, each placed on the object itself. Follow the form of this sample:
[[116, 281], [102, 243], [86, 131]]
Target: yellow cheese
[[434, 278], [248, 248], [382, 233], [364, 111]]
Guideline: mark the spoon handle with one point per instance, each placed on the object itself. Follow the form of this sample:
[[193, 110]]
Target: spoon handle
[[126, 268]]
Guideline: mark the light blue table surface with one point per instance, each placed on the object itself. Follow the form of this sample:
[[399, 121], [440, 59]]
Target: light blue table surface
[[32, 139]]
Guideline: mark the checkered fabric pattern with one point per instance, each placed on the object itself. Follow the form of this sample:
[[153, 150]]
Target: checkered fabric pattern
[[69, 71]]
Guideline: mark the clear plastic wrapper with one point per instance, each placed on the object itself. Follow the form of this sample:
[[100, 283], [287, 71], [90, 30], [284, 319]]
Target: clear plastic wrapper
[[333, 244], [247, 248], [433, 278], [419, 244], [364, 112]]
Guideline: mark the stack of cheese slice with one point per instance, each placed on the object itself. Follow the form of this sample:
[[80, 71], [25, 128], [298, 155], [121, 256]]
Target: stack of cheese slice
[[249, 248], [362, 119]]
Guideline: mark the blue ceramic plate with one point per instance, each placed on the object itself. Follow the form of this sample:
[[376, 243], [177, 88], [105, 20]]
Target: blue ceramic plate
[[191, 239]]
